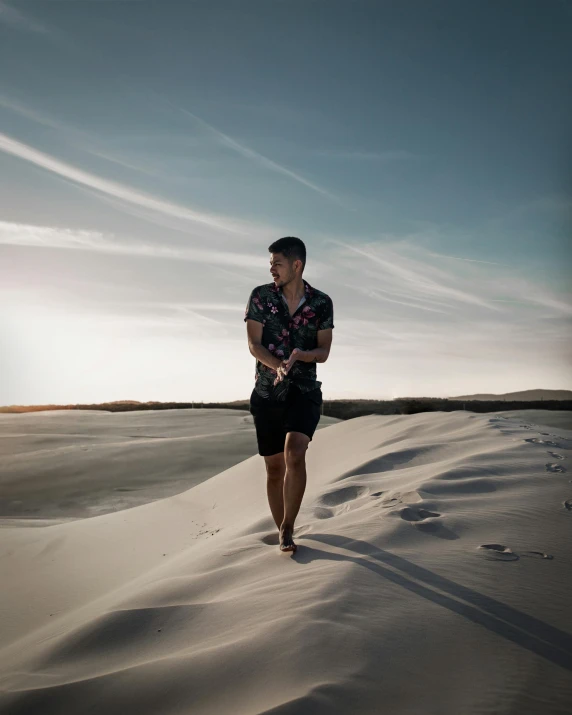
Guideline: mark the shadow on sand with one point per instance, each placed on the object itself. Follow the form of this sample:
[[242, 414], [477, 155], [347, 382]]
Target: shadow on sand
[[524, 630]]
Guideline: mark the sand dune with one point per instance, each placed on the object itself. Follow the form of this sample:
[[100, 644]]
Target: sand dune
[[433, 575], [61, 465], [555, 419]]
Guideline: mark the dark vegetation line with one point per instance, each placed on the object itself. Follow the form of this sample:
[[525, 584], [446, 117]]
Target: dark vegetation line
[[342, 409]]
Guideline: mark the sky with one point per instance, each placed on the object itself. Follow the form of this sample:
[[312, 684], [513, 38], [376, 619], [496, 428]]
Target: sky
[[150, 152]]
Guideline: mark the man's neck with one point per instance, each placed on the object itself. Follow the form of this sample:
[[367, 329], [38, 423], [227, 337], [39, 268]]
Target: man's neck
[[294, 291]]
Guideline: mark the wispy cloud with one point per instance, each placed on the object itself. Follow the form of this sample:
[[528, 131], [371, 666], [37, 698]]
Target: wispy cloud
[[85, 141], [182, 309], [253, 155], [416, 277], [114, 189], [479, 294], [470, 260], [53, 237], [36, 29], [236, 278], [14, 18], [378, 156], [373, 293], [15, 106]]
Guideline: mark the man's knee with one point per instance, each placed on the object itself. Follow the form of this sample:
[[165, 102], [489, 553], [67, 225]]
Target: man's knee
[[296, 446], [275, 466]]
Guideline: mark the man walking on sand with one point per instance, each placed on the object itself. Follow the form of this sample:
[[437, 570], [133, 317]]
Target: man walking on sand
[[289, 326]]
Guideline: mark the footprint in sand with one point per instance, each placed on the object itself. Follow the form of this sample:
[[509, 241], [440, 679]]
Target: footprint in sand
[[323, 513], [536, 440], [568, 504], [339, 501], [398, 498], [416, 515], [556, 455], [390, 502], [537, 554], [555, 468], [341, 496], [499, 552], [377, 494]]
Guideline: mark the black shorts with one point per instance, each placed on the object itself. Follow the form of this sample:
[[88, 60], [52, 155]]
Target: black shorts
[[299, 412]]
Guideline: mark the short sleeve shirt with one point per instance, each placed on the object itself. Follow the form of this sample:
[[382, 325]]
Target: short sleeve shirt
[[283, 332]]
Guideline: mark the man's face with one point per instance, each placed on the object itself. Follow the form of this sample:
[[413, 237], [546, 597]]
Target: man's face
[[281, 269]]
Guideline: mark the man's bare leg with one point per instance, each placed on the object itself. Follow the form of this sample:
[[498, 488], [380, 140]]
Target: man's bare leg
[[294, 486], [275, 470]]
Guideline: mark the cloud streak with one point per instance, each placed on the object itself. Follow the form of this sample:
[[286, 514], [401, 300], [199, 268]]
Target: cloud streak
[[112, 188], [382, 156], [253, 155], [14, 18], [16, 234], [418, 279], [75, 136], [470, 260]]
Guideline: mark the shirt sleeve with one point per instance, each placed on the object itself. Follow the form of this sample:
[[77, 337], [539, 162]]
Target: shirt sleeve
[[327, 316], [254, 309]]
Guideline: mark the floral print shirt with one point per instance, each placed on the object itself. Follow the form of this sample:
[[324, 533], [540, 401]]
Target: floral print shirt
[[282, 333]]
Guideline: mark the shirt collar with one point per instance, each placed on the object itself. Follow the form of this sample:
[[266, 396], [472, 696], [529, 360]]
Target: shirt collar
[[308, 290]]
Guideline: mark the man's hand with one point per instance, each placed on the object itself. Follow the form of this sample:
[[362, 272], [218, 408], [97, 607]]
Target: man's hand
[[284, 368]]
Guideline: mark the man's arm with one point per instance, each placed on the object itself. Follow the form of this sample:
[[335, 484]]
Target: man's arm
[[254, 318], [324, 334], [254, 333], [321, 353]]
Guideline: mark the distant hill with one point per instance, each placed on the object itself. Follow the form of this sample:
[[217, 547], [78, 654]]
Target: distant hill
[[522, 395]]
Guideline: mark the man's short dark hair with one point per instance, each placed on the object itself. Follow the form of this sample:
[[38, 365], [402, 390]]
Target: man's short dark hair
[[291, 248]]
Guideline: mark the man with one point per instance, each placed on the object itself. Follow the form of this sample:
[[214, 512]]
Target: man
[[289, 326]]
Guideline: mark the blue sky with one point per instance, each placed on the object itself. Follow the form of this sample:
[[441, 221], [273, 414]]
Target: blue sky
[[150, 152]]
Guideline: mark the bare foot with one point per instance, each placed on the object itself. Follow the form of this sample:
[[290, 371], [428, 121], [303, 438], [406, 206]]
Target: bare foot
[[286, 540]]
